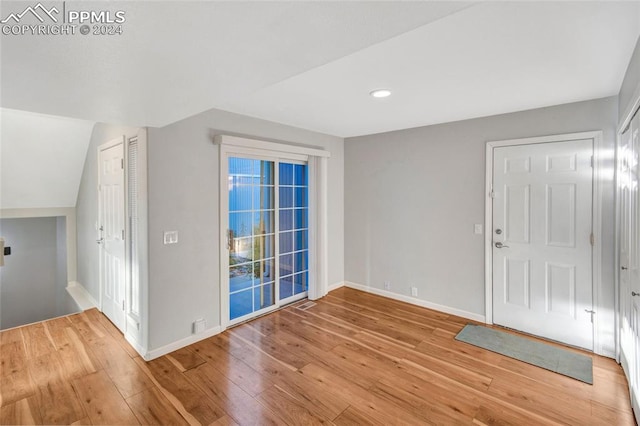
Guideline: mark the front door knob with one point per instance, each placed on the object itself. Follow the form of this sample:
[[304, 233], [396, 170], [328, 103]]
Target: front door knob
[[500, 245]]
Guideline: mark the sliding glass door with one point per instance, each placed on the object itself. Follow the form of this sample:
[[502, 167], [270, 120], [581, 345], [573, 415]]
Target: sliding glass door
[[266, 198], [293, 231], [251, 236]]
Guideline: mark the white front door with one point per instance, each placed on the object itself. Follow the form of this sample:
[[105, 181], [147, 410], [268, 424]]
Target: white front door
[[542, 252], [111, 231]]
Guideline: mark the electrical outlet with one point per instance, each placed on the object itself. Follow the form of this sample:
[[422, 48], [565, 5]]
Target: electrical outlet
[[199, 326], [414, 291], [387, 285], [170, 237]]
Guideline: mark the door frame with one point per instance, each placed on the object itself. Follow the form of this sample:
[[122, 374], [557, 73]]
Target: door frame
[[596, 256]]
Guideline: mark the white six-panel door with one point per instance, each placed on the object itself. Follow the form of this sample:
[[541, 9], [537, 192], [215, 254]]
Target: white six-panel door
[[629, 255], [111, 231], [542, 251], [633, 264]]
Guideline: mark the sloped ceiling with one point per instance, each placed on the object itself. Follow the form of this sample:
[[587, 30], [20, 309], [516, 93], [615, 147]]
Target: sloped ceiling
[[178, 58], [41, 159]]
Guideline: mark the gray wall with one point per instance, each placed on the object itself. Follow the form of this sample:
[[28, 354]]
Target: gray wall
[[631, 81], [183, 196], [413, 196], [62, 297], [33, 280], [87, 208]]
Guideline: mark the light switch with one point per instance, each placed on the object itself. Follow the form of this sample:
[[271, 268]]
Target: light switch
[[170, 237], [477, 228]]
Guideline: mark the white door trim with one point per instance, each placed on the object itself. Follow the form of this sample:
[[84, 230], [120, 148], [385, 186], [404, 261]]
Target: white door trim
[[596, 136], [629, 111]]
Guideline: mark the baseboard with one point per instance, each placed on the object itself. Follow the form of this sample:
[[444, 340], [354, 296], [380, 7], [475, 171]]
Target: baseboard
[[607, 352], [81, 296], [178, 344], [336, 286], [419, 302], [135, 345]]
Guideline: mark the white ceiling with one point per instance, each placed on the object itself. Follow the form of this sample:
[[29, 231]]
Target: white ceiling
[[312, 64], [177, 58], [489, 59], [41, 160]]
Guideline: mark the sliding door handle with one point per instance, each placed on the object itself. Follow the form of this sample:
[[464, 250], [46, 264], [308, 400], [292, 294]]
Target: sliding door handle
[[229, 239]]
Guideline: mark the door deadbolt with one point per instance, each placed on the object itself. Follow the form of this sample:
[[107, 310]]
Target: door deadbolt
[[498, 231]]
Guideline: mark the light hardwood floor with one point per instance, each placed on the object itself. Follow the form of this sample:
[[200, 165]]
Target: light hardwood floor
[[353, 358]]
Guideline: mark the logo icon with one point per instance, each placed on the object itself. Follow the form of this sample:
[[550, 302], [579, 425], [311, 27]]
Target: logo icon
[[38, 11]]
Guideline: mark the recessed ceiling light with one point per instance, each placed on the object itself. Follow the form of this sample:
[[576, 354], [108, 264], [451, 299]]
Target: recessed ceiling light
[[380, 93]]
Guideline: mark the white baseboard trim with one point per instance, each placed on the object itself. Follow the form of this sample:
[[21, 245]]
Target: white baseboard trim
[[419, 302], [335, 286], [178, 344], [81, 296], [130, 339]]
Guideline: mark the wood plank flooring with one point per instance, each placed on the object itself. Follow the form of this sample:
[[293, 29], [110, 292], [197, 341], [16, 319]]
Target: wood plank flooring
[[352, 359]]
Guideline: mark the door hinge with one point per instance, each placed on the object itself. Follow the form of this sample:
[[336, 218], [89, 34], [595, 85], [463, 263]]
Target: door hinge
[[592, 239], [492, 194], [123, 304], [592, 161], [122, 163], [123, 235]]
